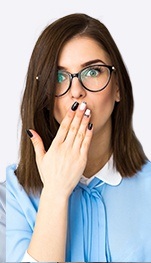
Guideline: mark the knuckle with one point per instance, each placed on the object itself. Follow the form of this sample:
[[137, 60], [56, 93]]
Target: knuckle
[[79, 115], [80, 135], [35, 143], [85, 145], [73, 128]]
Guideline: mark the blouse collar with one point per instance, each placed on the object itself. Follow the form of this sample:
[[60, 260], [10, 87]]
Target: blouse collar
[[108, 174]]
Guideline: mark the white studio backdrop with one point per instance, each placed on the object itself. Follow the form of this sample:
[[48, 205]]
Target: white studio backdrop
[[21, 23]]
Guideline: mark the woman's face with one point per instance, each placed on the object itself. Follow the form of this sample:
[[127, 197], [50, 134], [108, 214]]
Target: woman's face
[[74, 55]]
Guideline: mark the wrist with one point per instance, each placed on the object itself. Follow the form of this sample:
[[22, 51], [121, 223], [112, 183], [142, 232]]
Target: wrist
[[54, 195]]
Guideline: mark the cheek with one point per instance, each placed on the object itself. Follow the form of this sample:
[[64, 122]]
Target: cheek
[[59, 111], [108, 101], [105, 105]]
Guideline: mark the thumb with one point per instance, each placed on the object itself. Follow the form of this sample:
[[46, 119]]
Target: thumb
[[37, 144]]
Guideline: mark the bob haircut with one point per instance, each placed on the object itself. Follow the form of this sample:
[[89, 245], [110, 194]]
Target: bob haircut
[[38, 99]]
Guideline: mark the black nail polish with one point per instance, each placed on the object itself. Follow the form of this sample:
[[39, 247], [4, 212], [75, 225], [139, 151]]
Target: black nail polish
[[75, 106], [90, 125], [29, 133]]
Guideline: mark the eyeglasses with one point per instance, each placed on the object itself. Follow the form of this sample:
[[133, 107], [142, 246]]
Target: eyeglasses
[[94, 78]]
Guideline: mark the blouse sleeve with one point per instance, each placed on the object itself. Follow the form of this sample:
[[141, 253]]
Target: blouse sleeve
[[20, 218]]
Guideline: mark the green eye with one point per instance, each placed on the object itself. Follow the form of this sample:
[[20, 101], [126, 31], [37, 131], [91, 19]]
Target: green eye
[[60, 77], [91, 73]]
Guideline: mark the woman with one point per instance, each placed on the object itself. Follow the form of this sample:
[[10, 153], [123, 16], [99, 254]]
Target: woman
[[2, 222], [81, 190]]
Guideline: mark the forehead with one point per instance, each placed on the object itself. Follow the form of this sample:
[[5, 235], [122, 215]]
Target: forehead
[[81, 49]]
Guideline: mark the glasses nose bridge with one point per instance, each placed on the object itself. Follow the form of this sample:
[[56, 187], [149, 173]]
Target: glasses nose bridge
[[74, 75]]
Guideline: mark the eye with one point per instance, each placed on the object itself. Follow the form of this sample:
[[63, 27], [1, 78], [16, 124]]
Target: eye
[[92, 72], [61, 76]]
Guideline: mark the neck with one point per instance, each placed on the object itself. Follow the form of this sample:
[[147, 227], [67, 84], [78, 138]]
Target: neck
[[99, 153]]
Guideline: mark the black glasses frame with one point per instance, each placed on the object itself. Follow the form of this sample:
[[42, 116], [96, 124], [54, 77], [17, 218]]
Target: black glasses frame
[[78, 75]]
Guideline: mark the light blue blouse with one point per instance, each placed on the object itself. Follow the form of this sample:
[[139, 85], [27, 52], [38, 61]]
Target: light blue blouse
[[106, 223]]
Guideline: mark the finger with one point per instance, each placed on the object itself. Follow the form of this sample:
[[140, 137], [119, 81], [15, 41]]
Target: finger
[[75, 124], [37, 144], [65, 124], [87, 139], [82, 129]]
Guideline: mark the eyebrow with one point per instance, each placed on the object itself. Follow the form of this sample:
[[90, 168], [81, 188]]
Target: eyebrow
[[92, 62], [85, 64]]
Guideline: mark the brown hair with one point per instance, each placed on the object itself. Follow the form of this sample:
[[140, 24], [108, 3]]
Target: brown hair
[[38, 99]]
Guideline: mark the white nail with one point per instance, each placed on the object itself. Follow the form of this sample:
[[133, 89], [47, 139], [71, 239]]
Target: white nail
[[87, 113], [82, 106]]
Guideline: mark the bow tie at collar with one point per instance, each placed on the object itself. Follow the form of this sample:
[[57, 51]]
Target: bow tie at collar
[[93, 187]]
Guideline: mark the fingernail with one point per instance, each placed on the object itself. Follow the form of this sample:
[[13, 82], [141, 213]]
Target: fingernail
[[87, 113], [75, 106], [29, 133], [82, 106], [90, 125]]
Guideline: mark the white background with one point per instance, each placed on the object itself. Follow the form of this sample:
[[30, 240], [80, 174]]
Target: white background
[[22, 21]]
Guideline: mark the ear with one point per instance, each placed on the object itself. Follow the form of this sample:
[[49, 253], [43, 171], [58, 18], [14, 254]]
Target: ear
[[117, 92]]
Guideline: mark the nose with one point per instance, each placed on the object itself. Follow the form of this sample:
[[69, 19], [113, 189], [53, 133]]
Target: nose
[[77, 90]]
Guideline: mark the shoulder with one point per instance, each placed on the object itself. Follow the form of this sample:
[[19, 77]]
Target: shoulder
[[12, 183], [145, 172], [146, 167], [140, 183], [10, 171], [143, 178]]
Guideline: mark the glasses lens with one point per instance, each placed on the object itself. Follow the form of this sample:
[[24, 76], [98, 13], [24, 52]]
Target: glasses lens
[[95, 77], [63, 82]]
